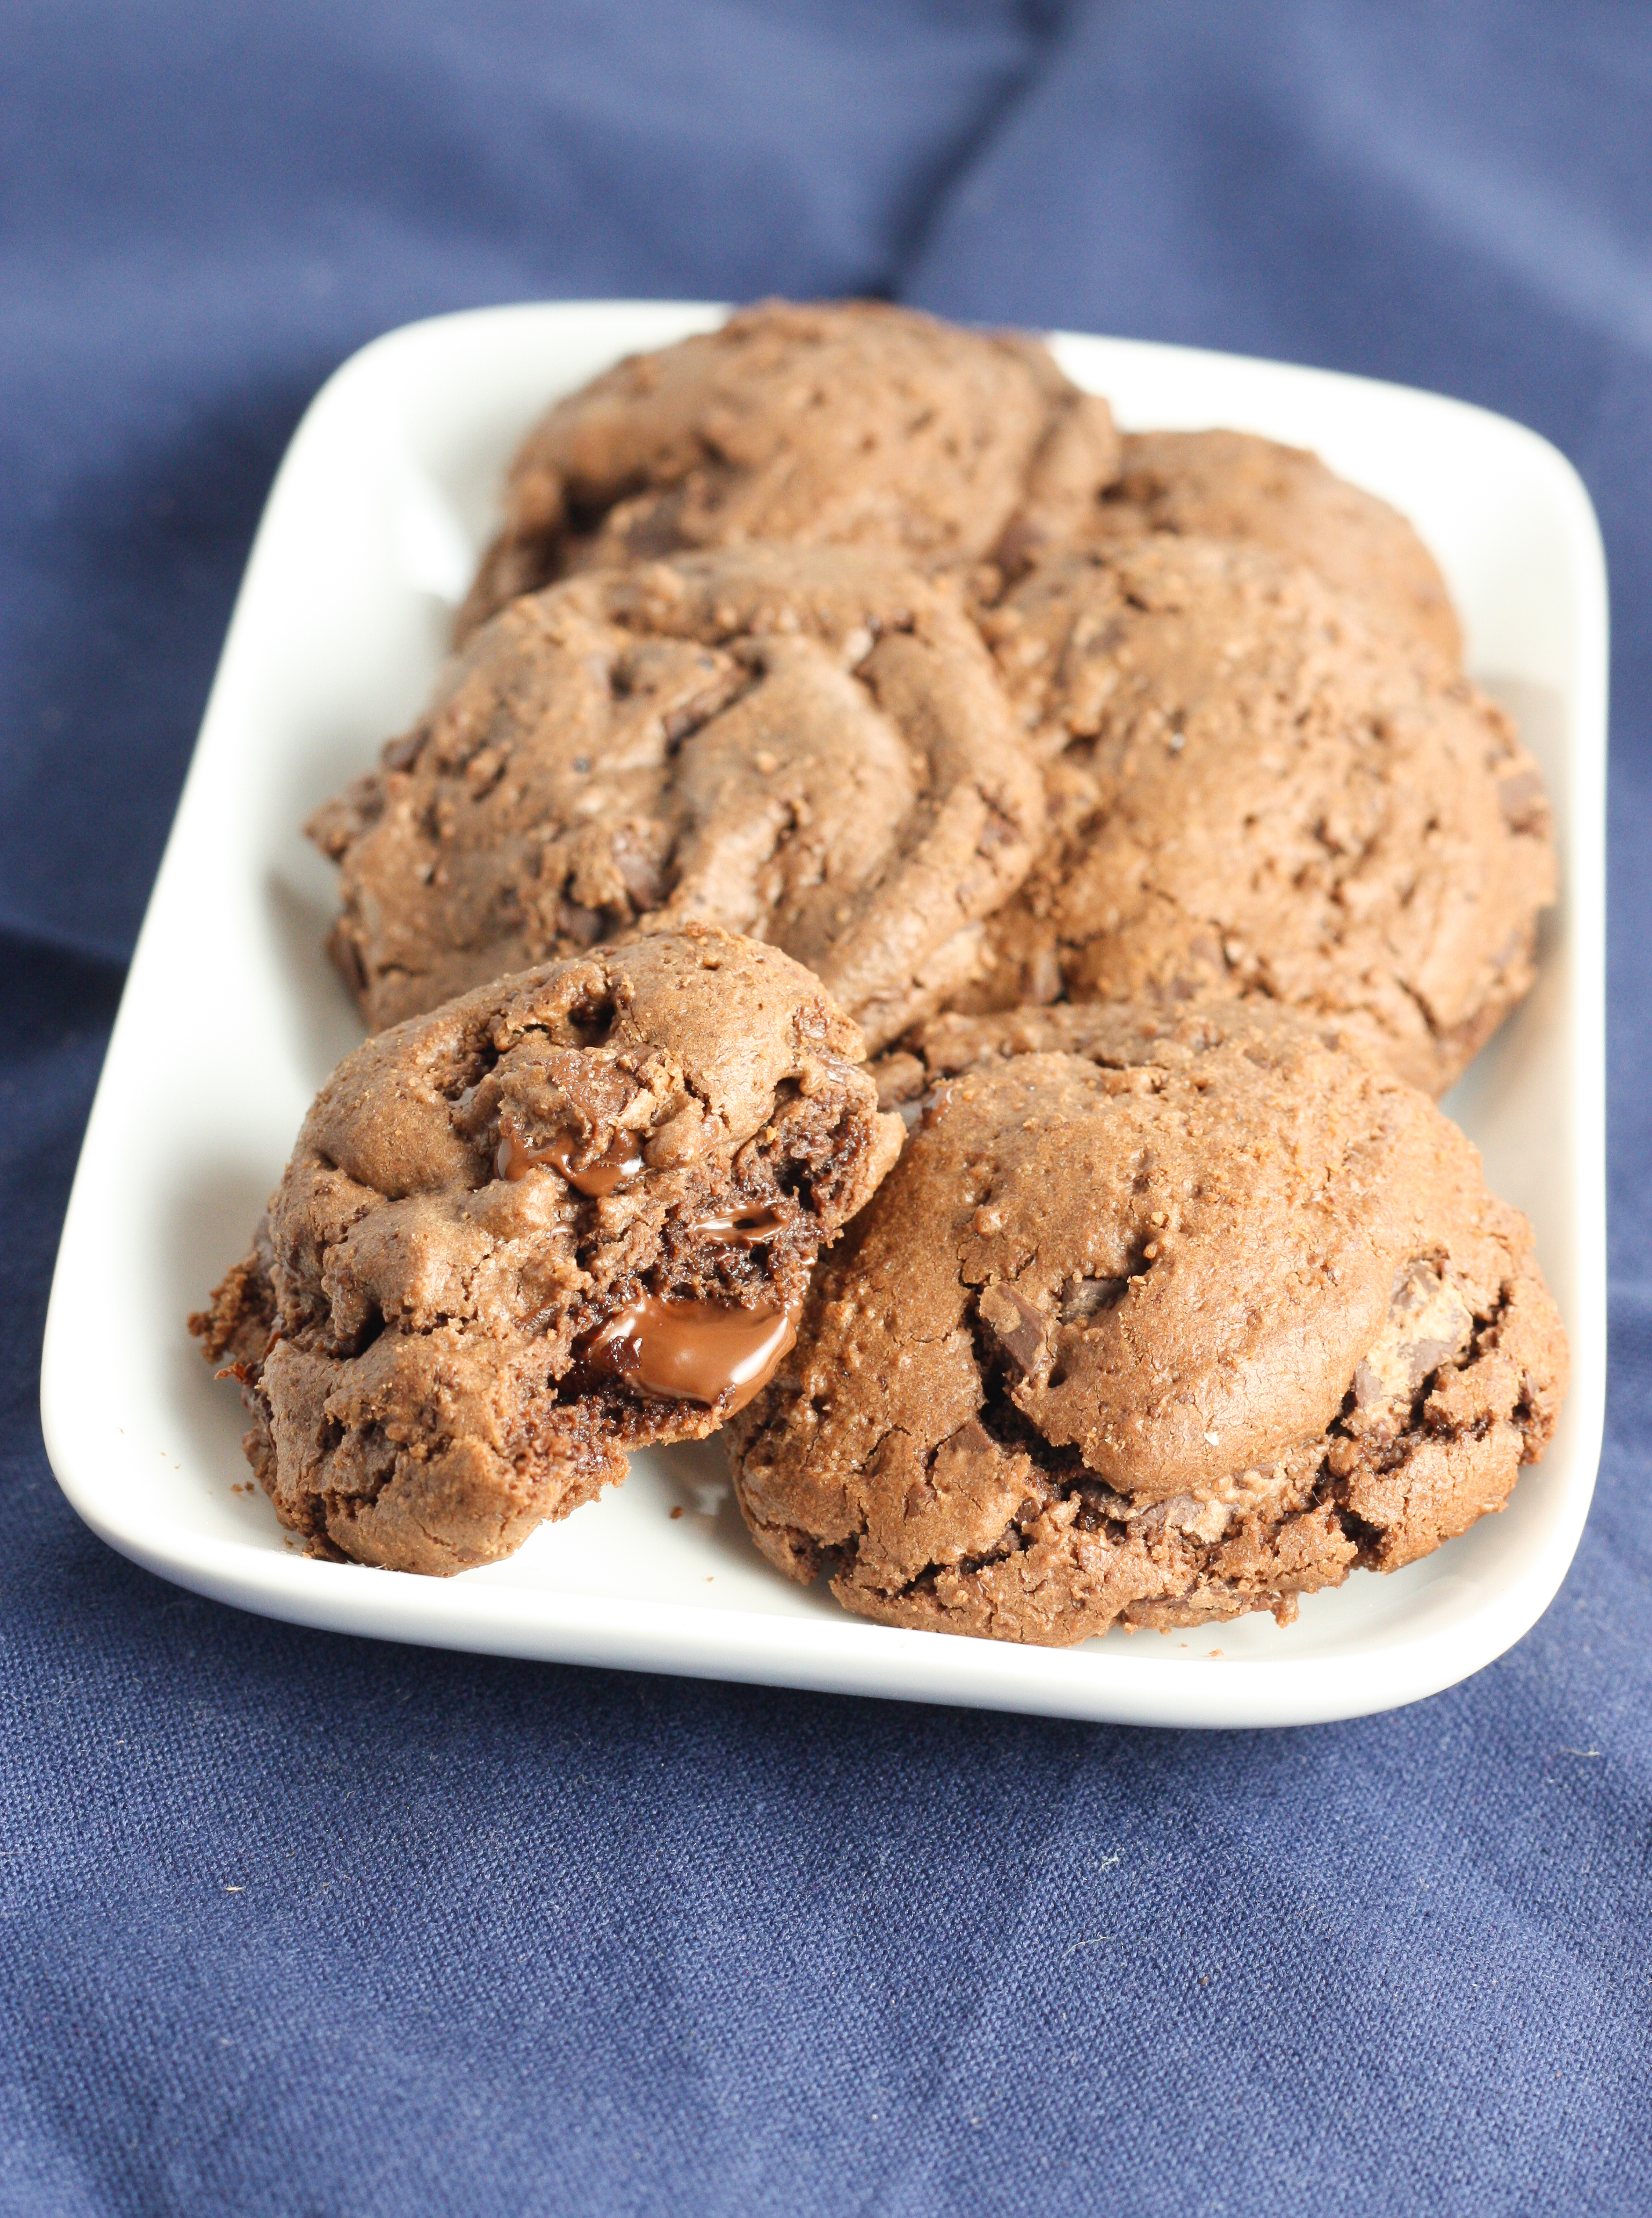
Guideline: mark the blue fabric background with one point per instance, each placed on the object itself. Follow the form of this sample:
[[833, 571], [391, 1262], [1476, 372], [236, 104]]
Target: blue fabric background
[[510, 1938]]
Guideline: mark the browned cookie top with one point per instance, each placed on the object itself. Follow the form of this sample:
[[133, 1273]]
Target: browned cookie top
[[1250, 794], [847, 421], [571, 1213], [807, 744], [1231, 485], [1169, 1316]]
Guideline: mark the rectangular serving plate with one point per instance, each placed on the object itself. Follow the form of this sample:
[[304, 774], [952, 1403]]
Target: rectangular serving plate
[[232, 1017]]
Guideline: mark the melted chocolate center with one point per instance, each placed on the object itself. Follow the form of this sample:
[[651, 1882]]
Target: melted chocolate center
[[688, 1351], [621, 1160], [739, 1228]]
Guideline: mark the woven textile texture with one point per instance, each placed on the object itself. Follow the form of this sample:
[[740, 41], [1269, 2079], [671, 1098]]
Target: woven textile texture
[[510, 1938]]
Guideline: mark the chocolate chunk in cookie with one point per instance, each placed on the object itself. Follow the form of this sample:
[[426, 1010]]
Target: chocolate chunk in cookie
[[572, 1213], [1161, 1318], [807, 744], [1251, 794], [1231, 485], [849, 421]]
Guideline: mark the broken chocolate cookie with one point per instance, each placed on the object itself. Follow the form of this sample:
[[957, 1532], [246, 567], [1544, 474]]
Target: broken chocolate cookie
[[572, 1213]]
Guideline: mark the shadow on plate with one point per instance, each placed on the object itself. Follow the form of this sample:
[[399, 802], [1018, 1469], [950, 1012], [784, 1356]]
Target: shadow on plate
[[324, 1023]]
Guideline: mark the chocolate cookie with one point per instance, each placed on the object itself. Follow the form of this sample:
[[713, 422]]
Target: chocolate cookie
[[1160, 1318], [1231, 485], [849, 421], [1249, 793], [808, 744], [570, 1214]]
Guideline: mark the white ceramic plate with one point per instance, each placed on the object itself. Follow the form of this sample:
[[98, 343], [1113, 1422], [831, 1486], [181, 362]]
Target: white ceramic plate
[[231, 1018]]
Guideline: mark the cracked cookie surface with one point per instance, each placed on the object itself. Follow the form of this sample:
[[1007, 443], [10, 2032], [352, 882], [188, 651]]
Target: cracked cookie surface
[[1232, 485], [844, 421], [1249, 793], [1161, 1318], [809, 744], [572, 1213]]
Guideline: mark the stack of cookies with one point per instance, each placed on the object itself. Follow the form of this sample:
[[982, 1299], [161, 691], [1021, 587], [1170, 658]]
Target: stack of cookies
[[873, 807]]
